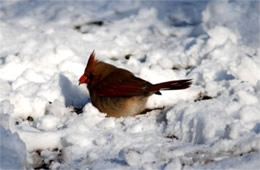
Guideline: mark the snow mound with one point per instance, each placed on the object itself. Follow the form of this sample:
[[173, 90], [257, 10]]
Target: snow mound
[[13, 150]]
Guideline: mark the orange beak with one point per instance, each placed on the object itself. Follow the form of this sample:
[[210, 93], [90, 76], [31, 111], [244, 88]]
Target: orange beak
[[83, 79]]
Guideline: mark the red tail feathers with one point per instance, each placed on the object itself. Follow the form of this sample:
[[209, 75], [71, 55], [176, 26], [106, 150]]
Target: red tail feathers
[[171, 85]]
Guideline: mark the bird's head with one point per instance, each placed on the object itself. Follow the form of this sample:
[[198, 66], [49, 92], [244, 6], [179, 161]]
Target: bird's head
[[88, 75], [95, 70]]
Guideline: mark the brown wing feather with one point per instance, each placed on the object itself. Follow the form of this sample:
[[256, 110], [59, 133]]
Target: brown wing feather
[[122, 84]]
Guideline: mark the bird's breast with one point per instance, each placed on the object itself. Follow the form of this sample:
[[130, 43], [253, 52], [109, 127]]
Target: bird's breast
[[119, 106]]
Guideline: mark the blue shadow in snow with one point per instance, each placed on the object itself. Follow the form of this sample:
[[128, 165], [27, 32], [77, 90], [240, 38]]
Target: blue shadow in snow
[[72, 94]]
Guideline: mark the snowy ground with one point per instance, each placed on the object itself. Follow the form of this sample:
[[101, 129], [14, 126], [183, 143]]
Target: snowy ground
[[47, 120]]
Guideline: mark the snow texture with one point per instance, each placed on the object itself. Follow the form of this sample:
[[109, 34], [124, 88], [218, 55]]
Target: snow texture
[[48, 121]]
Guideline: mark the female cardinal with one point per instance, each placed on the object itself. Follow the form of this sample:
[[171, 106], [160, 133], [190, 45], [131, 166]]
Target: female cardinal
[[118, 92]]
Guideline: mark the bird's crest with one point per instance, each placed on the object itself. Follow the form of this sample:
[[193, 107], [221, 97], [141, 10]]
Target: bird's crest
[[91, 59]]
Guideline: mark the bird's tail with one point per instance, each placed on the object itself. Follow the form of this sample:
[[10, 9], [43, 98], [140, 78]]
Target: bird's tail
[[171, 85]]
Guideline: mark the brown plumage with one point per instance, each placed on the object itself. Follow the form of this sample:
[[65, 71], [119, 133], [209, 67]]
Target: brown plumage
[[118, 92]]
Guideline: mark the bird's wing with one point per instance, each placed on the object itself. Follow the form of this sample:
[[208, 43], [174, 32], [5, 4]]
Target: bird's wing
[[124, 84]]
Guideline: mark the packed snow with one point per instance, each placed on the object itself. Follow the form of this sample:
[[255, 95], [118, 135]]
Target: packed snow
[[48, 121]]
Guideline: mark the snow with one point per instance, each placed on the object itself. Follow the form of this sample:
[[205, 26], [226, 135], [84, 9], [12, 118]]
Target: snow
[[13, 151], [48, 121]]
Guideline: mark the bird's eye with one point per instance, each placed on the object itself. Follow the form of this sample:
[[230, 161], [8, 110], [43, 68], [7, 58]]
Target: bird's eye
[[90, 76]]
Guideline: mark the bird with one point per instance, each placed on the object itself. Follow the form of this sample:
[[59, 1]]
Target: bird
[[118, 92]]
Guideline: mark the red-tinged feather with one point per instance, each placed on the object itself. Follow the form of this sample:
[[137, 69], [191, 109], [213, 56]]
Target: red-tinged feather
[[172, 85], [122, 84], [122, 91], [91, 59]]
